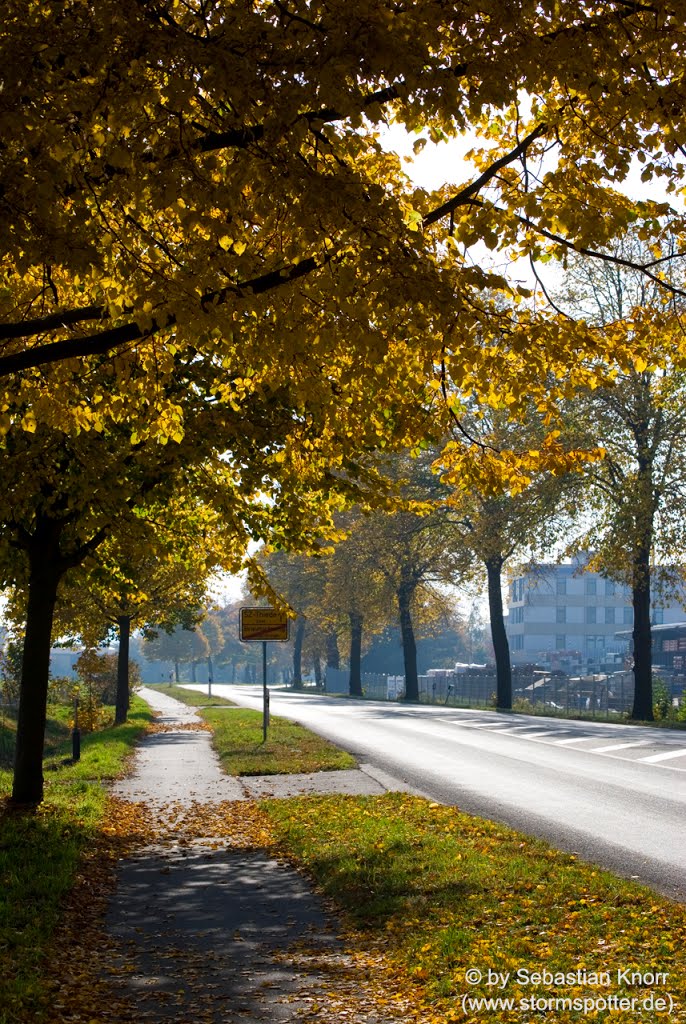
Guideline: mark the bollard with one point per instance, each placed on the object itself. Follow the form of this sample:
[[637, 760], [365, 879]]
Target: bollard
[[76, 735]]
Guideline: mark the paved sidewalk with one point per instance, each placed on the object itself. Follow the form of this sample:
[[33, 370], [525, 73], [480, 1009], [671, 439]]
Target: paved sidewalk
[[208, 933], [181, 765]]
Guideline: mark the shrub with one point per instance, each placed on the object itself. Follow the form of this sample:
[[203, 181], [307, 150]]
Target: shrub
[[10, 670], [97, 687], [663, 710]]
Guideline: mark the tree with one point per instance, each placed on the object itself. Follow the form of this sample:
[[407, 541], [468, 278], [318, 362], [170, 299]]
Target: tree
[[176, 646], [214, 637], [356, 593], [56, 514], [148, 579], [232, 652], [637, 492], [199, 221], [67, 491], [297, 581], [207, 181], [416, 549], [499, 524]]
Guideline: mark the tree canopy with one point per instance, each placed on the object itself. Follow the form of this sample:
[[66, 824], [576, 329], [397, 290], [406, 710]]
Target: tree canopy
[[203, 182]]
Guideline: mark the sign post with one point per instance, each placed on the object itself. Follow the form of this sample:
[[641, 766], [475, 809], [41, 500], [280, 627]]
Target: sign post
[[265, 693], [264, 625]]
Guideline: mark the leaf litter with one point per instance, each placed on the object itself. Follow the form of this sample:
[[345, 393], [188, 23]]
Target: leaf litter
[[89, 968]]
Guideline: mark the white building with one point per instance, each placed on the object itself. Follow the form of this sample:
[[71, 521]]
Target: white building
[[563, 617]]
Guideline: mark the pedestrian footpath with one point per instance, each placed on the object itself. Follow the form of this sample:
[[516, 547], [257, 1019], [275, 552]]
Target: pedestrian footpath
[[207, 932]]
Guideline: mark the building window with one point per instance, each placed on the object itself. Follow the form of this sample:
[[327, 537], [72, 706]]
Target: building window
[[628, 616], [560, 642], [561, 614], [610, 589], [518, 643], [591, 589], [591, 614], [609, 616], [657, 616], [561, 585]]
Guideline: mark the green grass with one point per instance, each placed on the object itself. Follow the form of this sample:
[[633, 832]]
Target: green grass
[[289, 748], [442, 892], [40, 851], [103, 754], [194, 698]]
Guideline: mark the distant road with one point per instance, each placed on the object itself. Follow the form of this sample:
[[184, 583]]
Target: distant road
[[614, 794]]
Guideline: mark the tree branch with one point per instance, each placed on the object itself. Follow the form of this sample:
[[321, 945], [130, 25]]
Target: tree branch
[[641, 268], [465, 194], [106, 341]]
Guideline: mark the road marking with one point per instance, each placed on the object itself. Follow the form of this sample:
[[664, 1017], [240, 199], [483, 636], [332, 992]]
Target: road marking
[[479, 725], [525, 728], [521, 732], [654, 758], [575, 739], [535, 735], [619, 746]]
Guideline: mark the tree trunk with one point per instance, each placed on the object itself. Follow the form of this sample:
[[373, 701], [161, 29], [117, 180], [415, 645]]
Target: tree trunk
[[501, 648], [404, 595], [210, 675], [44, 577], [333, 658], [193, 663], [122, 703], [176, 671], [355, 654], [643, 647], [317, 671], [298, 652]]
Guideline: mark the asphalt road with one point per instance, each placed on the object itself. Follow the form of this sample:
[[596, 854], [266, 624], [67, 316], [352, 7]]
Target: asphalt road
[[614, 794]]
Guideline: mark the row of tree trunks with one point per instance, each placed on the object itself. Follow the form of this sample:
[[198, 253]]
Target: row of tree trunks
[[404, 597], [44, 577], [121, 709], [298, 650], [355, 685], [333, 658], [642, 639], [501, 647]]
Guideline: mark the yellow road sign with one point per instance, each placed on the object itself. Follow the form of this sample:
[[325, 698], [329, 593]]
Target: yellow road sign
[[260, 624]]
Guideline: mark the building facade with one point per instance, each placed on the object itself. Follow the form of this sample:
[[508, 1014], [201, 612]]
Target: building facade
[[564, 618]]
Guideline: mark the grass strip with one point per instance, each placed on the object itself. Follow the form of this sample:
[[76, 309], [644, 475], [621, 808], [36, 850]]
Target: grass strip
[[40, 851], [290, 748], [193, 698], [444, 893]]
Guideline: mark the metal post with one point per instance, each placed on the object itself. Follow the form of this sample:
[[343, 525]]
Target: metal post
[[265, 693], [76, 735]]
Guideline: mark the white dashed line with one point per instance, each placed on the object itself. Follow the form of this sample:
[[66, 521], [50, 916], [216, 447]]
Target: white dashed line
[[530, 732], [478, 725], [654, 758], [575, 739], [619, 746]]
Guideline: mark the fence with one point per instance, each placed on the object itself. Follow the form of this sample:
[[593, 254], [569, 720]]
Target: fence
[[533, 690], [375, 686]]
